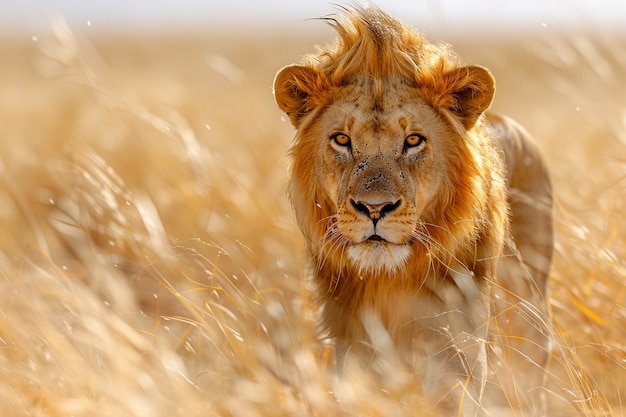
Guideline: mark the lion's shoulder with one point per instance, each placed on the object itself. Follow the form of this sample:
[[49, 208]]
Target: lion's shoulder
[[525, 166]]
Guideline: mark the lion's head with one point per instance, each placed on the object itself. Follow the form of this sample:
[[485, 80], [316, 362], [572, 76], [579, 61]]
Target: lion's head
[[387, 161]]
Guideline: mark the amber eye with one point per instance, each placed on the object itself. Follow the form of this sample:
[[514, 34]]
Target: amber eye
[[341, 139], [414, 140]]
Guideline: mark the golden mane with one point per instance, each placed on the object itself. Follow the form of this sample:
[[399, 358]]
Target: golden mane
[[372, 43]]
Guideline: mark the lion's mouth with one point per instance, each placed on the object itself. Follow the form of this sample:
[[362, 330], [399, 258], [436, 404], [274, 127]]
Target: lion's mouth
[[375, 238]]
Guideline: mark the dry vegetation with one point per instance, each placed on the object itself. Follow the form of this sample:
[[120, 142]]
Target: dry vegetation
[[149, 262]]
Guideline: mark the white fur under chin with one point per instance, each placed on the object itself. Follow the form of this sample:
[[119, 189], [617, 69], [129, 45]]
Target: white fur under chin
[[378, 257]]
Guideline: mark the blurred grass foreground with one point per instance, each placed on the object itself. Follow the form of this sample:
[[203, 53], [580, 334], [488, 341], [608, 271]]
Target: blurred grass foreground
[[149, 261]]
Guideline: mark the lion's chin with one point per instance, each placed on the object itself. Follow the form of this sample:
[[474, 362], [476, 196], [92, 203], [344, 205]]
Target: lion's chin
[[376, 257]]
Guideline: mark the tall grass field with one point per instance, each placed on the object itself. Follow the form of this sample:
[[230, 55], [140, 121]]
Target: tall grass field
[[150, 264]]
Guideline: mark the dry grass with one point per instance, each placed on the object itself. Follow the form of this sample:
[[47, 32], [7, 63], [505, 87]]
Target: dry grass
[[150, 265]]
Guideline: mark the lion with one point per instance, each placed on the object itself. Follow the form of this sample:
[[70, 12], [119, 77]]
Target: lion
[[427, 220]]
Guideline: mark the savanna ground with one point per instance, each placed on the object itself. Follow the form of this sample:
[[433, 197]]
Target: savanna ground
[[150, 264]]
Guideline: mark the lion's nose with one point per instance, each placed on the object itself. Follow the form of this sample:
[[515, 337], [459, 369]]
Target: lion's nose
[[375, 211]]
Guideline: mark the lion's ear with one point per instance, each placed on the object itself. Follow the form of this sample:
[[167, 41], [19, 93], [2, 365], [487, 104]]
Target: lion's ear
[[470, 93], [297, 90]]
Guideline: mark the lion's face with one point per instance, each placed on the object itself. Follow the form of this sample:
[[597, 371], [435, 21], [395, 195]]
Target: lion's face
[[379, 171], [381, 162]]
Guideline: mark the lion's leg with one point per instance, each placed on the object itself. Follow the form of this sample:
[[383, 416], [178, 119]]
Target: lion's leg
[[455, 377], [442, 346], [452, 339]]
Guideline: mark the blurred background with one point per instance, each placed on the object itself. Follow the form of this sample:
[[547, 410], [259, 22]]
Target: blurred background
[[145, 232], [146, 14]]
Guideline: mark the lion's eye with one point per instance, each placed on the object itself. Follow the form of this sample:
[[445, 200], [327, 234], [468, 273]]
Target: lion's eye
[[341, 139], [414, 140]]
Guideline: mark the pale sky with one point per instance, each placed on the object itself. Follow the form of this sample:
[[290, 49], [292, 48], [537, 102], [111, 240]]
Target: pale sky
[[141, 14]]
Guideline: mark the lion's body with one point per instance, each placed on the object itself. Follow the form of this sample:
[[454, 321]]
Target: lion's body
[[400, 186]]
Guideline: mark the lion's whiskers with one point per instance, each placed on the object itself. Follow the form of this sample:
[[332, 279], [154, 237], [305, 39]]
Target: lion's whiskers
[[425, 238]]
